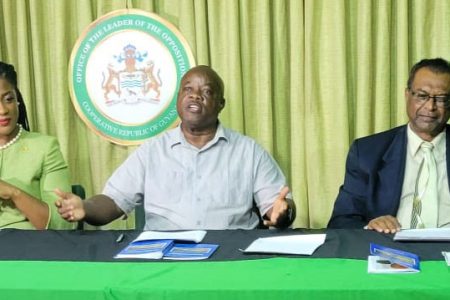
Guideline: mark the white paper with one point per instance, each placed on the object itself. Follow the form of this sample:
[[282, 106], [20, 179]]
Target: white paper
[[447, 257], [377, 264], [427, 234], [193, 235], [304, 244]]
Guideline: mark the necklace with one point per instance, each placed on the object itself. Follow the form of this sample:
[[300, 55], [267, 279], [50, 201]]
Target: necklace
[[3, 147]]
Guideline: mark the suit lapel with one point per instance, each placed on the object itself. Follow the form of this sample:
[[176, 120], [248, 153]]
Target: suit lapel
[[447, 152], [393, 171]]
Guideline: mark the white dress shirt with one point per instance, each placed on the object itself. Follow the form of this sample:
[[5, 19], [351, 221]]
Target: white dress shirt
[[183, 187], [413, 159]]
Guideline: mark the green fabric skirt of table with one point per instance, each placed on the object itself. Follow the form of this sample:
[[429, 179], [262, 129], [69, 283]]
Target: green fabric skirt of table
[[276, 278]]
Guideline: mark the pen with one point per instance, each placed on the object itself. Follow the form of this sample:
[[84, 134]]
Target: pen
[[119, 238]]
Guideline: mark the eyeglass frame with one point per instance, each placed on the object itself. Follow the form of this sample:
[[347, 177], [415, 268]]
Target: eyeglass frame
[[424, 97]]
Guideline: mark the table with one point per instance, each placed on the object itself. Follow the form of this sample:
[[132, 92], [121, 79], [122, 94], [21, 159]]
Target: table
[[91, 273]]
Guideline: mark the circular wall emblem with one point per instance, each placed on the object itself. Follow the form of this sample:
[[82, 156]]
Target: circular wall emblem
[[124, 73]]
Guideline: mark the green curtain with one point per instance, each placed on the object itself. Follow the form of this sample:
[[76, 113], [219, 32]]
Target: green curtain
[[302, 77]]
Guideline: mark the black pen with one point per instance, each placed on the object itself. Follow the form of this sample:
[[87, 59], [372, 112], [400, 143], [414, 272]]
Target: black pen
[[119, 238]]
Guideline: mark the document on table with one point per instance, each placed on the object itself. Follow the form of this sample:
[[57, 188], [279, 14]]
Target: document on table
[[427, 234], [148, 249], [190, 251], [304, 244], [377, 264], [162, 244], [191, 235], [389, 260], [167, 249], [447, 257]]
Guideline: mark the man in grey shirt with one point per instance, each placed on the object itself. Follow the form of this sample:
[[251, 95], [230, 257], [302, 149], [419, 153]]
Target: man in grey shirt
[[199, 175]]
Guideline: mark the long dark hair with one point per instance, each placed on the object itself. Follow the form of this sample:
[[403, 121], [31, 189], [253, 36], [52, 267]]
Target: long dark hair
[[9, 74]]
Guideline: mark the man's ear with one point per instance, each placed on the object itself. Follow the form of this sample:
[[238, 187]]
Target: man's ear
[[222, 103]]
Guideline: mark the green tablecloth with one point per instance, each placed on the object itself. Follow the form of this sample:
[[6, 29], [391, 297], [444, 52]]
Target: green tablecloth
[[276, 278]]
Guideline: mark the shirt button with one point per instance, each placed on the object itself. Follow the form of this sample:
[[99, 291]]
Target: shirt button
[[198, 199], [198, 222]]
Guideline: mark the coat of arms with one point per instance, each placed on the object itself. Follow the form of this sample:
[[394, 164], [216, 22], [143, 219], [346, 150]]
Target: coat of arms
[[125, 71], [131, 78]]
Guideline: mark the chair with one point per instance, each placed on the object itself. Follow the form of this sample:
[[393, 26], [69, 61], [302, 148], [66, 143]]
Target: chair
[[139, 217], [78, 190], [261, 219]]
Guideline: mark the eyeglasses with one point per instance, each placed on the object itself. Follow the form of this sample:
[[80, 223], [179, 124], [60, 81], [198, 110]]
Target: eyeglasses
[[422, 98]]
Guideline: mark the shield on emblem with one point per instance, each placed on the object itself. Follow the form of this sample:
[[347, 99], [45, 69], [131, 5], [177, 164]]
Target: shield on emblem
[[131, 85]]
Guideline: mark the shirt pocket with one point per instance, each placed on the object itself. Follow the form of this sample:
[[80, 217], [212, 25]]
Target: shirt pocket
[[167, 187], [240, 191], [228, 188], [211, 187]]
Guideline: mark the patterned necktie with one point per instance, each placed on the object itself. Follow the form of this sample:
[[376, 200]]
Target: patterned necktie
[[425, 203]]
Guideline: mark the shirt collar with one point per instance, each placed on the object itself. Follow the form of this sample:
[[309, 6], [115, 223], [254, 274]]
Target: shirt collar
[[414, 142], [177, 136]]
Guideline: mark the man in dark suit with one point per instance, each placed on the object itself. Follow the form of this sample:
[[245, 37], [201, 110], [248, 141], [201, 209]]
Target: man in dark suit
[[382, 169]]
